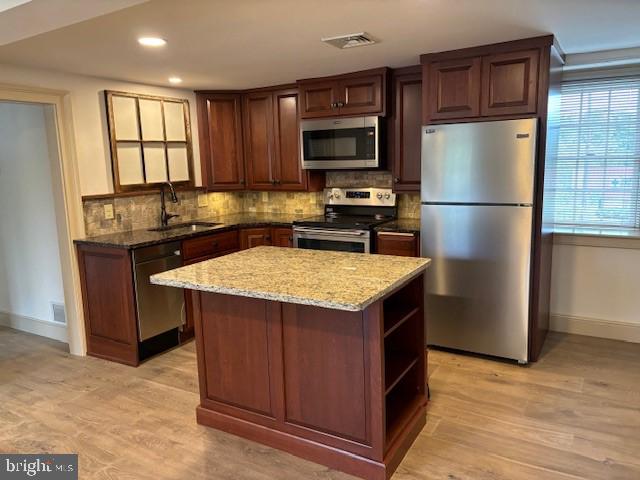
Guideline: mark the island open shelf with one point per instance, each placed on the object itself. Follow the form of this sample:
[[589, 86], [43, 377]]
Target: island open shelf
[[342, 385]]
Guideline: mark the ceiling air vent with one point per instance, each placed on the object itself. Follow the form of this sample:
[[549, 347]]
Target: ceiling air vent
[[351, 40]]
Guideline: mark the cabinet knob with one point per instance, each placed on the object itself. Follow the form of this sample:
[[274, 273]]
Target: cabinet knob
[[340, 104], [396, 179]]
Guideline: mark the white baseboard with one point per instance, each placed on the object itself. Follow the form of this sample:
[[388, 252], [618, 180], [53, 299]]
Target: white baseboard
[[595, 327], [35, 326]]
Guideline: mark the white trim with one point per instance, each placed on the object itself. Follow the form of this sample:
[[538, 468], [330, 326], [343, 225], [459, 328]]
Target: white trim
[[67, 201], [36, 326], [602, 59], [595, 327]]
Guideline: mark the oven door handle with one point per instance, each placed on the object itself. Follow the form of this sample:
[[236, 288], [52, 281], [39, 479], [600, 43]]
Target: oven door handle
[[320, 231]]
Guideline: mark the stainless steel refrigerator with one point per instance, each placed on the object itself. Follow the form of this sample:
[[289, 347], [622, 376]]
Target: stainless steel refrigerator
[[477, 194]]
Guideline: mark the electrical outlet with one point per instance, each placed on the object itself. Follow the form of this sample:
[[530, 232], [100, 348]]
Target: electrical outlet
[[265, 197], [203, 200], [108, 211]]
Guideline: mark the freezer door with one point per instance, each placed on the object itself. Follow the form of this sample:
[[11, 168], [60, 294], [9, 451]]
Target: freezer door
[[477, 288], [483, 162]]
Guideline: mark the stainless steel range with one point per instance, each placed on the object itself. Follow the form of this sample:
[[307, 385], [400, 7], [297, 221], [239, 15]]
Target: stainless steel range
[[350, 214]]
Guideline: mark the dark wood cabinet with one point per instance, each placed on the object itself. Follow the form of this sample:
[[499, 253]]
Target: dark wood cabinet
[[452, 89], [358, 93], [282, 237], [404, 146], [361, 94], [196, 250], [319, 99], [398, 243], [221, 146], [256, 132], [106, 280], [255, 237], [510, 83], [344, 389], [489, 82], [289, 174], [259, 140]]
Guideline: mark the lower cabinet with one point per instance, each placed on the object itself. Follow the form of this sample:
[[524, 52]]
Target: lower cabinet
[[106, 279], [198, 250], [276, 236], [398, 243], [282, 237]]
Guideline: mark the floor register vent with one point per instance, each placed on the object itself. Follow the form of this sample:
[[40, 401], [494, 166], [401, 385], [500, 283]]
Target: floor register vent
[[351, 40]]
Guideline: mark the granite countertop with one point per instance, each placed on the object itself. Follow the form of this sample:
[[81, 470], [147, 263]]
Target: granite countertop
[[143, 237], [338, 280], [403, 225]]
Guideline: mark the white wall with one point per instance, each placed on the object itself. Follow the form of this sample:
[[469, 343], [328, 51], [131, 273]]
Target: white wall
[[30, 272], [89, 118], [596, 291]]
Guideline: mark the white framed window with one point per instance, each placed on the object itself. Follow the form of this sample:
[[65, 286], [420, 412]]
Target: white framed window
[[595, 179]]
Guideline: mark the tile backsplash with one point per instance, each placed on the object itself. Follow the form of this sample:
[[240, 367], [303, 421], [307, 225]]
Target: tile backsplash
[[143, 211]]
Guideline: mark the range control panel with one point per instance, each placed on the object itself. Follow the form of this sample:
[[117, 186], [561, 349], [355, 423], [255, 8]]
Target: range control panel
[[372, 197]]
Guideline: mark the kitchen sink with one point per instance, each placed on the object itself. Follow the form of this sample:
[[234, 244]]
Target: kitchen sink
[[190, 226]]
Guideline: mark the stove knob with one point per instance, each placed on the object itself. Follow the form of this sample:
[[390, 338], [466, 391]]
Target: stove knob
[[379, 195], [337, 195], [387, 196]]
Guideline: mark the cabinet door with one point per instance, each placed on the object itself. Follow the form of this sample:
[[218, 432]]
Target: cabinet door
[[109, 303], [220, 128], [318, 99], [397, 243], [287, 166], [258, 140], [254, 237], [510, 83], [361, 95], [452, 89], [405, 132], [282, 237]]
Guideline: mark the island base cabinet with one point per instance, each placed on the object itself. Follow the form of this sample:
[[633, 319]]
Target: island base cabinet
[[344, 389]]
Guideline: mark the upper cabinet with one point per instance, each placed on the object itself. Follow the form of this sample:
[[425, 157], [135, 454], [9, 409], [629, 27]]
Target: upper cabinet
[[453, 88], [272, 142], [221, 148], [404, 130], [359, 93], [497, 80], [256, 132], [510, 83]]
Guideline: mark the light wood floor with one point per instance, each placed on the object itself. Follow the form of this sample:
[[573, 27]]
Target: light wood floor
[[575, 414]]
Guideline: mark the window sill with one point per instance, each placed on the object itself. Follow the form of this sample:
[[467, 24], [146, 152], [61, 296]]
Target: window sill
[[597, 237]]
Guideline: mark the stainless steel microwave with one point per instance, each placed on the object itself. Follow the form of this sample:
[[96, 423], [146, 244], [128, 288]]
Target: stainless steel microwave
[[340, 143]]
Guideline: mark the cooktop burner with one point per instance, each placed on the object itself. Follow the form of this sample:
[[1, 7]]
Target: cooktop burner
[[358, 222]]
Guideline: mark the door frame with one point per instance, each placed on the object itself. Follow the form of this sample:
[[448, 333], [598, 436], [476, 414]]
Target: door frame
[[67, 200]]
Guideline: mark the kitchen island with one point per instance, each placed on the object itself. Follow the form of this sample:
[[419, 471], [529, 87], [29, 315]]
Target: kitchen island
[[317, 353]]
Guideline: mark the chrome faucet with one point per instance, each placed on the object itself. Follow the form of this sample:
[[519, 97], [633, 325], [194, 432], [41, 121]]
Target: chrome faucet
[[164, 216]]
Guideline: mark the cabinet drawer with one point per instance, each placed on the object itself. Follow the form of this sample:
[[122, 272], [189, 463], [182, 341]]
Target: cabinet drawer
[[209, 245], [401, 244]]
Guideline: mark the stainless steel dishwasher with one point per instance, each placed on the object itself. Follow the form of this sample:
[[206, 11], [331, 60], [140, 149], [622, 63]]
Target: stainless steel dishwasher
[[159, 308]]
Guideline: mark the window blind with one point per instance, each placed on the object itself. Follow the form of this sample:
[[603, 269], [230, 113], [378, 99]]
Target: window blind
[[595, 179]]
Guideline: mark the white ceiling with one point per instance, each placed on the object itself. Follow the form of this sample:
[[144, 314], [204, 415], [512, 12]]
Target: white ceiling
[[249, 43], [21, 19]]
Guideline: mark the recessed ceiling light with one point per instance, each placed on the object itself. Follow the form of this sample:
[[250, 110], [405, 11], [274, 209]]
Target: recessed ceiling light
[[175, 80], [152, 41]]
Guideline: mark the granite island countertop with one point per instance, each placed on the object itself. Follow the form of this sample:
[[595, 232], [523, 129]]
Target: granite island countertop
[[144, 237], [338, 280]]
